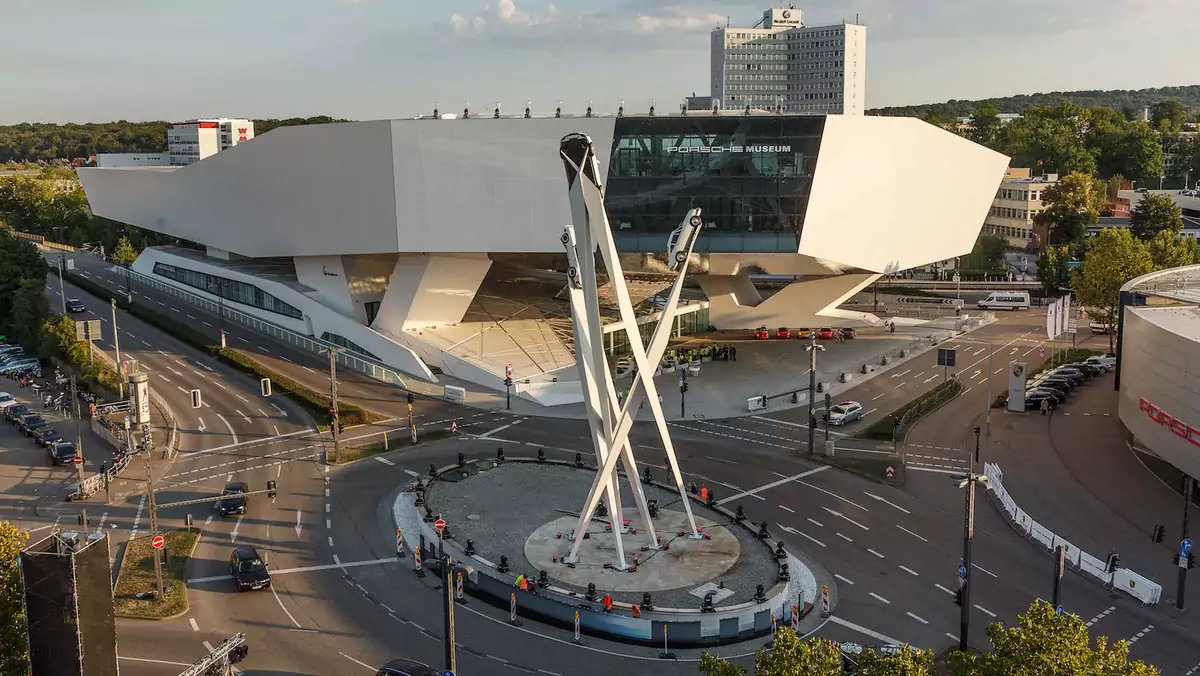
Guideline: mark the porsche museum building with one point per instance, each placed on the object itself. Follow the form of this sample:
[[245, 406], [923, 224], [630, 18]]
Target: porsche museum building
[[431, 246], [1158, 376]]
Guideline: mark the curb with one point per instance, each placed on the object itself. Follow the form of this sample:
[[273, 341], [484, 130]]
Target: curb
[[187, 606]]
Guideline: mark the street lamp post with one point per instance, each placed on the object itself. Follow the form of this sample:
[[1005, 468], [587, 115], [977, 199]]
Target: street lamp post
[[62, 293], [964, 572], [219, 285], [812, 348], [117, 347]]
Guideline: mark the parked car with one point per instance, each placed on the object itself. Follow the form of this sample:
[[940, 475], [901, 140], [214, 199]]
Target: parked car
[[848, 333], [30, 423], [6, 400], [761, 333], [1091, 370], [1053, 382], [46, 436], [1005, 300], [845, 412], [14, 413], [804, 333], [1107, 360], [783, 332], [74, 305], [1076, 377], [235, 499], [1058, 396], [825, 333], [1034, 399], [1100, 327], [405, 667], [62, 453], [248, 569]]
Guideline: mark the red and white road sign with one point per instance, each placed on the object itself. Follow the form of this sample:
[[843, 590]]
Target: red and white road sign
[[1042, 352], [891, 472], [453, 426], [157, 542], [508, 369], [78, 459], [399, 540], [439, 525]]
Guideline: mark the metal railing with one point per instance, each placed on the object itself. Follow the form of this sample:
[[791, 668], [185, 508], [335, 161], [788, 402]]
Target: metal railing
[[165, 409], [345, 358]]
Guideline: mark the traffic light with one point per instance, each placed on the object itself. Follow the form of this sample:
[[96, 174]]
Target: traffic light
[[1175, 558], [958, 598], [196, 401], [1113, 562], [683, 387], [271, 489], [265, 386], [411, 398], [508, 382], [1160, 532], [341, 427]]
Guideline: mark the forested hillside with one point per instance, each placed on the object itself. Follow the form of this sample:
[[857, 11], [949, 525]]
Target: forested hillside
[[1125, 100]]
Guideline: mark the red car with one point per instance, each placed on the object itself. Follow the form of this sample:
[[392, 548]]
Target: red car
[[761, 333], [825, 334], [849, 333], [783, 332]]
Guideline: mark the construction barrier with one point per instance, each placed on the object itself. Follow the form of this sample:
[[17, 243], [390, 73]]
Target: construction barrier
[[1137, 586]]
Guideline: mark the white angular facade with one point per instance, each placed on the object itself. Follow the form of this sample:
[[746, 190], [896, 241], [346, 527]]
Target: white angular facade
[[379, 234]]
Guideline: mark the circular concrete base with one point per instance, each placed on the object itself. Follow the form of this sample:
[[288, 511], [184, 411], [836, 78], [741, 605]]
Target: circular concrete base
[[686, 563]]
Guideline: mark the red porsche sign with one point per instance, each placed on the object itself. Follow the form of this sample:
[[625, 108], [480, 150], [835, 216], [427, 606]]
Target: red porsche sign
[[1178, 427]]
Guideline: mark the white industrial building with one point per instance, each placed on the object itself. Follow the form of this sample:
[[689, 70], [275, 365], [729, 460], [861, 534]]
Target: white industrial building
[[782, 64], [187, 143], [432, 246]]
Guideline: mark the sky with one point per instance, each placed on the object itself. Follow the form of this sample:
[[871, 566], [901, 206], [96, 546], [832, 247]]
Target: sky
[[99, 60]]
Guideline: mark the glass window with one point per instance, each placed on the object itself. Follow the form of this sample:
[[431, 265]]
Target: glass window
[[228, 289], [348, 344]]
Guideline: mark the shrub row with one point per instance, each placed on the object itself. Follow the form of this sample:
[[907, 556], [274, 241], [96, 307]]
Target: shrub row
[[314, 403], [881, 429]]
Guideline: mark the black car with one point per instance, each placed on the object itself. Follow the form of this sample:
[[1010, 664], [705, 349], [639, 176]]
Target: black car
[[235, 500], [30, 423], [1085, 368], [1056, 395], [1055, 378], [75, 305], [1034, 399], [13, 414], [1073, 375], [248, 569], [403, 667], [62, 453], [1062, 386], [46, 436]]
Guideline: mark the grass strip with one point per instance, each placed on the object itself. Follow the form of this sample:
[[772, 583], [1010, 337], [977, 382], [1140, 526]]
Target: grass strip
[[137, 577]]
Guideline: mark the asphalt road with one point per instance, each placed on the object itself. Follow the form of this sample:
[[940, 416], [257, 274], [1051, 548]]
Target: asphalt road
[[343, 604]]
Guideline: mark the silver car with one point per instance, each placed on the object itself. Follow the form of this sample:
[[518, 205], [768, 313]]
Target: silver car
[[845, 412]]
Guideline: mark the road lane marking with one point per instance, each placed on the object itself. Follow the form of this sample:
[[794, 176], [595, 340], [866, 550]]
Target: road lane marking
[[886, 502], [202, 427], [843, 516], [985, 611], [244, 417], [192, 621], [787, 509], [166, 379], [882, 638], [844, 579], [412, 473], [835, 495], [385, 461], [365, 666], [912, 534], [875, 553], [1140, 634], [877, 596], [264, 349], [231, 432], [755, 491], [978, 567], [237, 526], [816, 523], [1100, 616], [910, 571], [878, 396], [305, 569], [918, 618], [244, 400], [845, 537], [902, 374], [285, 610], [944, 589]]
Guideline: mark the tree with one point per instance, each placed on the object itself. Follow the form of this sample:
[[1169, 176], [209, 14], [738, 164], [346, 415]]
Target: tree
[[1051, 140], [1168, 116], [14, 658], [1048, 644], [904, 662], [1135, 150], [985, 126], [1114, 185], [124, 254], [1053, 270], [1169, 250], [790, 656], [1114, 257], [19, 263], [30, 308], [1071, 205], [1153, 214]]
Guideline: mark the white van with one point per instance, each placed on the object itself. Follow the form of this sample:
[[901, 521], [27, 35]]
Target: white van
[[1005, 300]]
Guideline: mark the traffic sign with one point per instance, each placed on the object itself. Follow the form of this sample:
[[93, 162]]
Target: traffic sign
[[891, 472], [157, 542], [439, 525], [1042, 352], [447, 673], [1060, 610], [78, 459], [508, 369], [962, 570], [1185, 545], [957, 278]]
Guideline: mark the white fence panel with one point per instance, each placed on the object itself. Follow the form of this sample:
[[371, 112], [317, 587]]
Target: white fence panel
[[1040, 533], [1072, 552], [1095, 567], [1136, 586], [1024, 521]]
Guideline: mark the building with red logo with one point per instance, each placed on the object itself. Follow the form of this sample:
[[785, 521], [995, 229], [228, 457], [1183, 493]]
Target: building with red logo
[[191, 141], [1159, 367]]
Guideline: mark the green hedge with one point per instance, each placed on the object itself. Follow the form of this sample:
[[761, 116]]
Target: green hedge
[[314, 403], [881, 429]]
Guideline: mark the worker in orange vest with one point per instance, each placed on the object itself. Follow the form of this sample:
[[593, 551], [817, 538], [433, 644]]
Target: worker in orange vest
[[608, 603], [523, 583], [704, 494], [637, 611]]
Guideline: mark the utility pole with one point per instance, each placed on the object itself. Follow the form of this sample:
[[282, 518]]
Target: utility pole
[[158, 577], [1185, 558], [683, 388], [333, 406], [1060, 564], [62, 294], [812, 390], [78, 434], [448, 608], [117, 346], [968, 535]]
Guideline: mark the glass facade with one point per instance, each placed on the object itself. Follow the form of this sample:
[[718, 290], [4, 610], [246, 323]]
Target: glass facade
[[229, 289], [616, 343], [346, 343], [750, 176]]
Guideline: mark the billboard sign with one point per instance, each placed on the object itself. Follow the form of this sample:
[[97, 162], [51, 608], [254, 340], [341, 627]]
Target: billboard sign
[[1018, 375]]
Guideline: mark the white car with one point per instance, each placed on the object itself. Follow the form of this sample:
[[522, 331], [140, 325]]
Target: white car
[[845, 412], [6, 400], [1108, 361]]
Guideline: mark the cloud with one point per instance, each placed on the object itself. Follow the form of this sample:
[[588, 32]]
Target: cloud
[[504, 20]]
